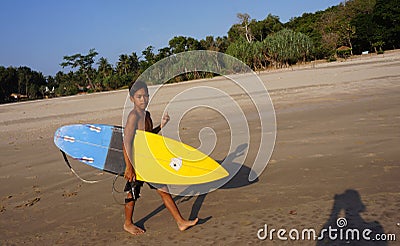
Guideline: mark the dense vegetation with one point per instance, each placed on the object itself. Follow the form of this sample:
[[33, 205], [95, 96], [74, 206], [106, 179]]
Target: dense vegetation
[[349, 28]]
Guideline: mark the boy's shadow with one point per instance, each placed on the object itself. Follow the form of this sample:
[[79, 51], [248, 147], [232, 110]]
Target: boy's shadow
[[238, 177], [350, 224]]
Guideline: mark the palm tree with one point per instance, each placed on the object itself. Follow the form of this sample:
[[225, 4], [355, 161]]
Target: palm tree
[[104, 68], [84, 62], [123, 65]]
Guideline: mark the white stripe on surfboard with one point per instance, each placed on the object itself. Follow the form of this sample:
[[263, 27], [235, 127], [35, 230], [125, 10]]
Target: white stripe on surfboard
[[69, 139], [94, 128]]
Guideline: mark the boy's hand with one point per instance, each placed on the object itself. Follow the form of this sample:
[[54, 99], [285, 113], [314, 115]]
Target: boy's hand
[[130, 174], [164, 120]]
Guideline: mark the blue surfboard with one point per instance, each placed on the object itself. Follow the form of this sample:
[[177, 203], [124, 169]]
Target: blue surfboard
[[97, 145]]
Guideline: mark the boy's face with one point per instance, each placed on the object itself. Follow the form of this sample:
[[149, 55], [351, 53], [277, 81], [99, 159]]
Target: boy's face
[[140, 99]]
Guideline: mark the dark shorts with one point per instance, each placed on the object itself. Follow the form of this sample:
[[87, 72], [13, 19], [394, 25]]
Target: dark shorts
[[135, 187]]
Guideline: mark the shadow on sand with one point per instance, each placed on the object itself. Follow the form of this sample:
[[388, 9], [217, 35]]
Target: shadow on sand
[[238, 177], [346, 224]]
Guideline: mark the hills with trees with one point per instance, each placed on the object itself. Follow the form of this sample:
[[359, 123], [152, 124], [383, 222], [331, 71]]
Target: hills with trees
[[349, 28]]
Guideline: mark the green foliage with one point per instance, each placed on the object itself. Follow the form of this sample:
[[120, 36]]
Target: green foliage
[[8, 83], [128, 64], [350, 24], [84, 63], [219, 44], [365, 32], [235, 33], [250, 53], [181, 44], [22, 82], [261, 29], [378, 44], [331, 59], [309, 24], [68, 84], [343, 52], [386, 15], [287, 47], [253, 30]]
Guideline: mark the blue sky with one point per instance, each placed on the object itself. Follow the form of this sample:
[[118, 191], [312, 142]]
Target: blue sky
[[38, 33]]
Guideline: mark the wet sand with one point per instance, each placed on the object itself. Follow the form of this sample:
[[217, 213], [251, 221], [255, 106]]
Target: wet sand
[[336, 155]]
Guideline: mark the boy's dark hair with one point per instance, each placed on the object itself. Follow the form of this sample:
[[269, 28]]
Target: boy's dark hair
[[137, 85]]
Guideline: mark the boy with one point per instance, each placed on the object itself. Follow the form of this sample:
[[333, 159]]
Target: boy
[[139, 119]]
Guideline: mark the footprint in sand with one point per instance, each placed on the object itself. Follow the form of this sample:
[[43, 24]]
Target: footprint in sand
[[29, 203], [69, 194], [36, 189]]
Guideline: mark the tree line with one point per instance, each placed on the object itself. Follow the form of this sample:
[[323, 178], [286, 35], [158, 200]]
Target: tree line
[[351, 27]]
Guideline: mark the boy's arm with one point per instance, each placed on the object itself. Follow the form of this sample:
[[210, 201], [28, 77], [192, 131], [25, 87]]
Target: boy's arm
[[129, 135], [164, 121], [156, 130]]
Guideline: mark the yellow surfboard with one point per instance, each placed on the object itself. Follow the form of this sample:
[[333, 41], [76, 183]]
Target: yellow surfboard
[[163, 160]]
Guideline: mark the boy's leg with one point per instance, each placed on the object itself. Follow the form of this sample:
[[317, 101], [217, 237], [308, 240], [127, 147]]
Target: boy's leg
[[173, 209], [128, 224]]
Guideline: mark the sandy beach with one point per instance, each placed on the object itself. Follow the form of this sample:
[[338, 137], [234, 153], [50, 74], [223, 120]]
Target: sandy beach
[[336, 156]]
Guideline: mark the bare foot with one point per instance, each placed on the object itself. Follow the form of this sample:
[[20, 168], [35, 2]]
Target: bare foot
[[187, 224], [132, 229]]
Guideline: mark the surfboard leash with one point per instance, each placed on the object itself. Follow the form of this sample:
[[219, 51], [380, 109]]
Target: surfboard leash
[[73, 171], [114, 190], [92, 181]]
